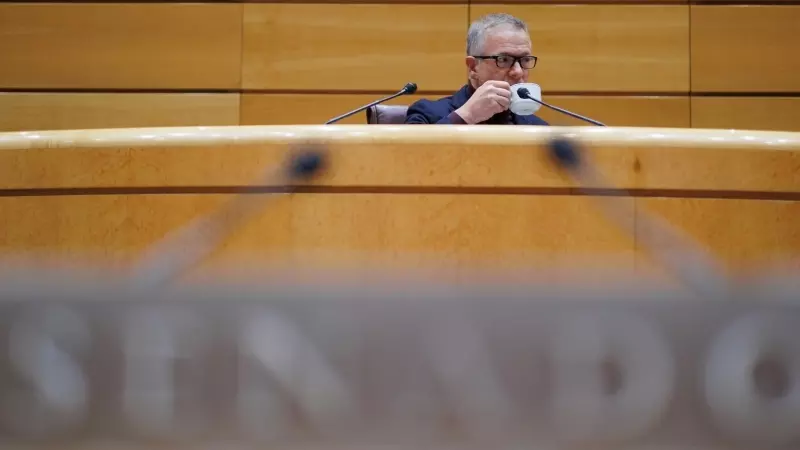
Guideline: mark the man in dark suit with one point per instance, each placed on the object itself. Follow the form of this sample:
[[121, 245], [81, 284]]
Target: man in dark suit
[[498, 56]]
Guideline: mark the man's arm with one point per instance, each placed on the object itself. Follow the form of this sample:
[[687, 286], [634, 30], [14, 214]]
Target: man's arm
[[422, 112]]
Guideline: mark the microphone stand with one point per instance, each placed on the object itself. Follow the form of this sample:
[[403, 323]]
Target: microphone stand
[[165, 261], [677, 251], [524, 93], [572, 114], [410, 88]]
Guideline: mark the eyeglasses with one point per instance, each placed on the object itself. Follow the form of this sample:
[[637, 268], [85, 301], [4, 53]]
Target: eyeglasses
[[506, 61]]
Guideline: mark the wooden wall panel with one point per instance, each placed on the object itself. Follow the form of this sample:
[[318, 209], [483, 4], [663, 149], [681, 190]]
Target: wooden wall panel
[[745, 48], [354, 47], [505, 231], [604, 47], [585, 50], [572, 2], [323, 228], [287, 109], [127, 46], [764, 232], [60, 111], [745, 2], [629, 111], [747, 113], [296, 109], [505, 157]]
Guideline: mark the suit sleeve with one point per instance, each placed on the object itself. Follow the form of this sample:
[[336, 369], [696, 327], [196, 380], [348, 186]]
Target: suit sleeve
[[423, 112]]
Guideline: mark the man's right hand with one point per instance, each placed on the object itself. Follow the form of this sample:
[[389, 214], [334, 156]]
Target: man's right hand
[[491, 98]]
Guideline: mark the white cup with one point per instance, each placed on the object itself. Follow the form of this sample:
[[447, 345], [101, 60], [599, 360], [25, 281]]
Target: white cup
[[525, 106]]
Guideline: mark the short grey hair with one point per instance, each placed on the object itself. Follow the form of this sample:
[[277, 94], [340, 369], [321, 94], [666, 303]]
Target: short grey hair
[[478, 29]]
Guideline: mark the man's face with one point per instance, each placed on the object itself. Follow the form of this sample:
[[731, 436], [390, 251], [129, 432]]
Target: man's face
[[501, 40]]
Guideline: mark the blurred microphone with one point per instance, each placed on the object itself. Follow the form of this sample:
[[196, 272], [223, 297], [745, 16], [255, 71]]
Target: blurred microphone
[[409, 88], [523, 93]]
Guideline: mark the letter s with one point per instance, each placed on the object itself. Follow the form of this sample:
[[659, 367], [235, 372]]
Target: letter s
[[50, 392]]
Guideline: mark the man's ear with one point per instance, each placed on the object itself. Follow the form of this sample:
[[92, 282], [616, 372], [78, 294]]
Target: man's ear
[[471, 64]]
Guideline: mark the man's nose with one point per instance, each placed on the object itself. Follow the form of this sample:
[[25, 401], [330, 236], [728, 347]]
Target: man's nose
[[516, 69]]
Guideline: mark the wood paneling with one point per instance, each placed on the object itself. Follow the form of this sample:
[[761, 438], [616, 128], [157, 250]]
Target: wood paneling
[[606, 47], [747, 113], [326, 229], [277, 109], [289, 109], [572, 2], [402, 230], [745, 48], [628, 111], [480, 157], [424, 199], [584, 49], [740, 232], [60, 111], [354, 47], [745, 2], [387, 2], [130, 46], [353, 164]]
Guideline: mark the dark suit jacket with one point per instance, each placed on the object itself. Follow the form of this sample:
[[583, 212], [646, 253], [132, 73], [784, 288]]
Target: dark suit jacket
[[442, 111]]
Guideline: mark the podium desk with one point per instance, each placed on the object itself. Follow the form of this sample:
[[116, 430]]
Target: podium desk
[[401, 287], [432, 196]]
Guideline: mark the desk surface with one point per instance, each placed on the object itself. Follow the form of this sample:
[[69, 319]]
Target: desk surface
[[483, 135], [400, 157]]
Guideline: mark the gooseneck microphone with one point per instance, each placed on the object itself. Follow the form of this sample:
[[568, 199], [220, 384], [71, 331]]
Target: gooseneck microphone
[[525, 93], [409, 88], [676, 250], [181, 250]]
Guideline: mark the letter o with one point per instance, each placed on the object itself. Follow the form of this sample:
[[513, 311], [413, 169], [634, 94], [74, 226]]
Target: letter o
[[582, 344], [736, 405]]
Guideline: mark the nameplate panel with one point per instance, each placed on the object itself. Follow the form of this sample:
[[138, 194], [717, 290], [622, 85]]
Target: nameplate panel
[[404, 364]]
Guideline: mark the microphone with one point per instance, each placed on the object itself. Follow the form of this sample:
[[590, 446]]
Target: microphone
[[409, 88], [677, 251], [525, 93], [181, 250]]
